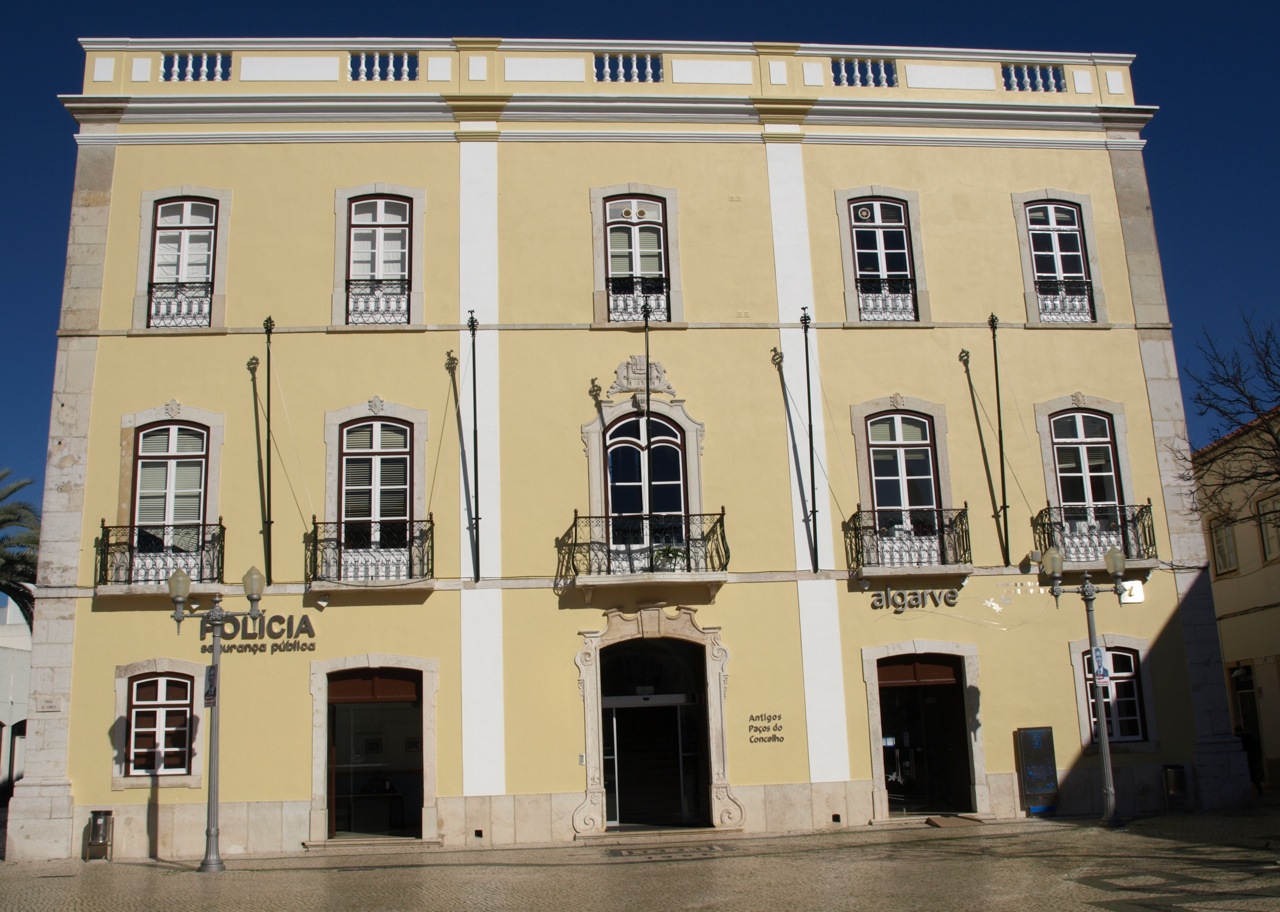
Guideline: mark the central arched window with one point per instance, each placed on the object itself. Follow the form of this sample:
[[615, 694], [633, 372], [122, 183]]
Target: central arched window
[[646, 462], [637, 258], [376, 458]]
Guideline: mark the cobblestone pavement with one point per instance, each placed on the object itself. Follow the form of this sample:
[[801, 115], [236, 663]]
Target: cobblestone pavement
[[1185, 862]]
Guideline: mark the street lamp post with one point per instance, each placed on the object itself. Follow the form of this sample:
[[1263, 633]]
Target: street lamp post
[[1114, 562], [179, 590]]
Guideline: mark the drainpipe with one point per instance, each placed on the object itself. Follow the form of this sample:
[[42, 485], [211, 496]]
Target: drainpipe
[[473, 324]]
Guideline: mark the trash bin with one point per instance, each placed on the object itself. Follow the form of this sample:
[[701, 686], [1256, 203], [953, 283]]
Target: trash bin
[[101, 835], [1175, 786]]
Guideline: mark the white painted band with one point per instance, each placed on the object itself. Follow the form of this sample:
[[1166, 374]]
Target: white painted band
[[822, 660]]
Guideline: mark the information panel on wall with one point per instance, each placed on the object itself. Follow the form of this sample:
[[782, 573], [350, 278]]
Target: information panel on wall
[[1037, 770]]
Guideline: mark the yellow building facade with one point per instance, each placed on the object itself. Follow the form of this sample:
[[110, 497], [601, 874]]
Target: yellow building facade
[[785, 364]]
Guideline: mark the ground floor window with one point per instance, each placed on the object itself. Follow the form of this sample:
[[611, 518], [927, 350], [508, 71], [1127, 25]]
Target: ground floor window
[[1122, 696], [159, 725], [1127, 692]]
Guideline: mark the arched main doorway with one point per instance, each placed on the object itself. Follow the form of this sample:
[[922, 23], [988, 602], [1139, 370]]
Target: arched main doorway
[[655, 624], [654, 735]]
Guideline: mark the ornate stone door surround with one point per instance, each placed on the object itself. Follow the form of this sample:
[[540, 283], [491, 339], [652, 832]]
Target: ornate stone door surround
[[653, 621]]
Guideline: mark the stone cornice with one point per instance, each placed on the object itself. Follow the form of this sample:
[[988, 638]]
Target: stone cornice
[[896, 112], [599, 136], [417, 108]]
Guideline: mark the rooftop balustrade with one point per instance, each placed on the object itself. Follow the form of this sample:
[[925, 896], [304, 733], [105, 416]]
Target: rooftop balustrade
[[544, 67]]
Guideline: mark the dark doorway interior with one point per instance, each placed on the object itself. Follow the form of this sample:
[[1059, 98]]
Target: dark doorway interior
[[375, 752], [927, 766], [655, 737]]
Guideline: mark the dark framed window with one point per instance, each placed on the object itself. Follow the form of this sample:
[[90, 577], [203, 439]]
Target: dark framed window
[[171, 468], [379, 239], [159, 716], [882, 259], [904, 478], [183, 248], [1269, 526], [1122, 696], [637, 272], [1060, 262], [376, 473], [646, 474], [1223, 536], [1085, 458]]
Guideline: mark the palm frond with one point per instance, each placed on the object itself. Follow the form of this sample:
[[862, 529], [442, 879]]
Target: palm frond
[[19, 545]]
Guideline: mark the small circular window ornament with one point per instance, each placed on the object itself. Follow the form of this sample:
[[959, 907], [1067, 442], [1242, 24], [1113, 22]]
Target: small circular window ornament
[[641, 213], [626, 213], [864, 213]]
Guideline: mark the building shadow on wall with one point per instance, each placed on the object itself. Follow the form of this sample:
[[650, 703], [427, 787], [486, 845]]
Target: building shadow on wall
[[1153, 722]]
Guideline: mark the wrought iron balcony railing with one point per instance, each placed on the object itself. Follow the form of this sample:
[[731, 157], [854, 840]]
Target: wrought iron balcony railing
[[1065, 300], [887, 298], [150, 554], [1086, 533], [371, 551], [629, 294], [907, 538], [377, 301], [180, 303], [667, 543]]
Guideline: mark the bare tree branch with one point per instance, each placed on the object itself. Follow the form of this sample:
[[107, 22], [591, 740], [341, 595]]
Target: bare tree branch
[[1239, 390]]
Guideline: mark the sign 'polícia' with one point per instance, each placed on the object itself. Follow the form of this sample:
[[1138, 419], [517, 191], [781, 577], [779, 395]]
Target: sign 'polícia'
[[269, 635]]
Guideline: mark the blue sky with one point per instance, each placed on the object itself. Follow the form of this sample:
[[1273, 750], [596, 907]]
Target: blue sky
[[1211, 161]]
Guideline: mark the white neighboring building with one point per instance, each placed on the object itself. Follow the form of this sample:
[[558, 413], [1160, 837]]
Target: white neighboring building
[[15, 674]]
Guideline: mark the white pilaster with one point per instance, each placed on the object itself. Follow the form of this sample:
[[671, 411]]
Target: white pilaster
[[483, 707], [822, 659]]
